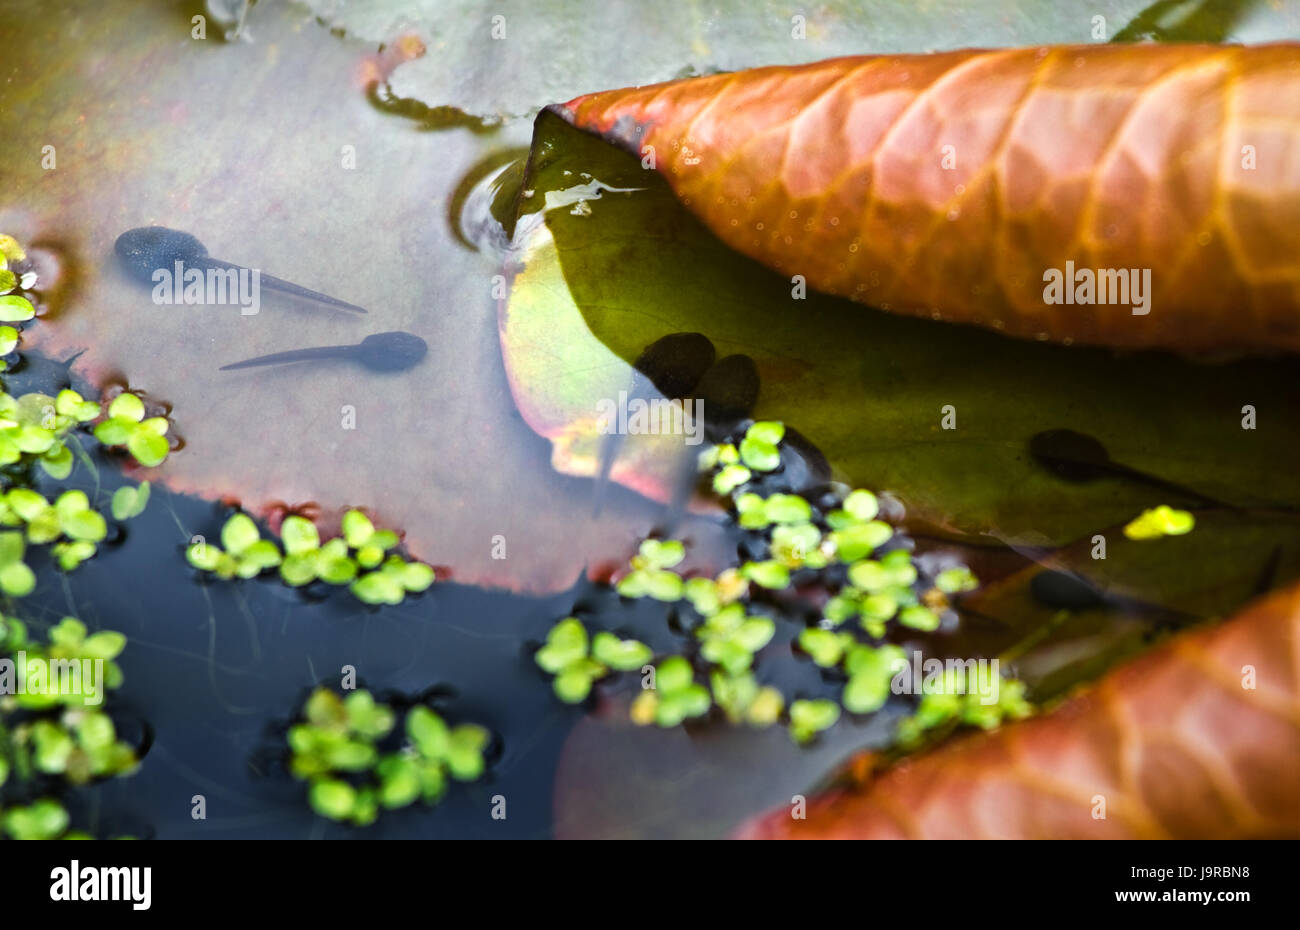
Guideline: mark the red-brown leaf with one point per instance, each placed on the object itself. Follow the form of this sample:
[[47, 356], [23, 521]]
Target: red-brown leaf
[[1110, 157], [1174, 742]]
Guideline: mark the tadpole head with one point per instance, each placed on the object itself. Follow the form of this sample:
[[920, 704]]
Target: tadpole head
[[395, 351], [145, 249], [675, 363], [729, 390], [1071, 455], [1065, 591]]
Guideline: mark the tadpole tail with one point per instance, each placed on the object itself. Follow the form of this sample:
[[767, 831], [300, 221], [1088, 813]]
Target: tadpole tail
[[293, 355], [271, 282], [610, 446], [1195, 498]]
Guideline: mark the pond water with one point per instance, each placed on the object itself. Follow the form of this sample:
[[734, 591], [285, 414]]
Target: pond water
[[284, 154]]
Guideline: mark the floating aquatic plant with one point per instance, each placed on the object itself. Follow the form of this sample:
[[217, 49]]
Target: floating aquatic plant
[[129, 501], [870, 670], [576, 667], [954, 699], [676, 695], [729, 638], [16, 578], [126, 425], [758, 448], [14, 308], [70, 524], [651, 575], [68, 640], [1160, 521], [44, 819], [244, 553], [34, 428], [54, 732], [833, 541], [336, 748], [808, 718], [744, 700]]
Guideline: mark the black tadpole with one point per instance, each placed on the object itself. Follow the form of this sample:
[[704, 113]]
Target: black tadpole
[[1080, 458], [146, 249], [395, 351]]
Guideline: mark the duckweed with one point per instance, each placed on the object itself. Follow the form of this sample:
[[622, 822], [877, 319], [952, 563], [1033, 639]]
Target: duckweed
[[577, 665], [243, 553], [730, 638], [955, 700], [70, 524], [837, 544], [758, 448], [743, 700], [808, 718], [339, 747], [1160, 521], [650, 574], [675, 696], [56, 734], [126, 425]]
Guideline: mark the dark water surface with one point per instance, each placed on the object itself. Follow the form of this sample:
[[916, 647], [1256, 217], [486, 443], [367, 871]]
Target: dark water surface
[[217, 668]]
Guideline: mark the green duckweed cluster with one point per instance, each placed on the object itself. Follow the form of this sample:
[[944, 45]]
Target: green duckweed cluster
[[870, 587], [14, 308], [68, 525], [577, 662], [955, 700], [361, 558], [55, 738], [35, 427], [1160, 521], [125, 424], [338, 748], [40, 431]]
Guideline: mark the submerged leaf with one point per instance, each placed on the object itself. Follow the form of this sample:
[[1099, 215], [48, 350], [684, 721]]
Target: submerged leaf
[[639, 268]]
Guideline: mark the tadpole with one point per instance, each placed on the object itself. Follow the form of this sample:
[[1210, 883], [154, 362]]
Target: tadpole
[[395, 351], [1080, 458], [146, 249]]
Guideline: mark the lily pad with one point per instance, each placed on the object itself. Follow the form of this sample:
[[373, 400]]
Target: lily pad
[[161, 138], [514, 56]]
